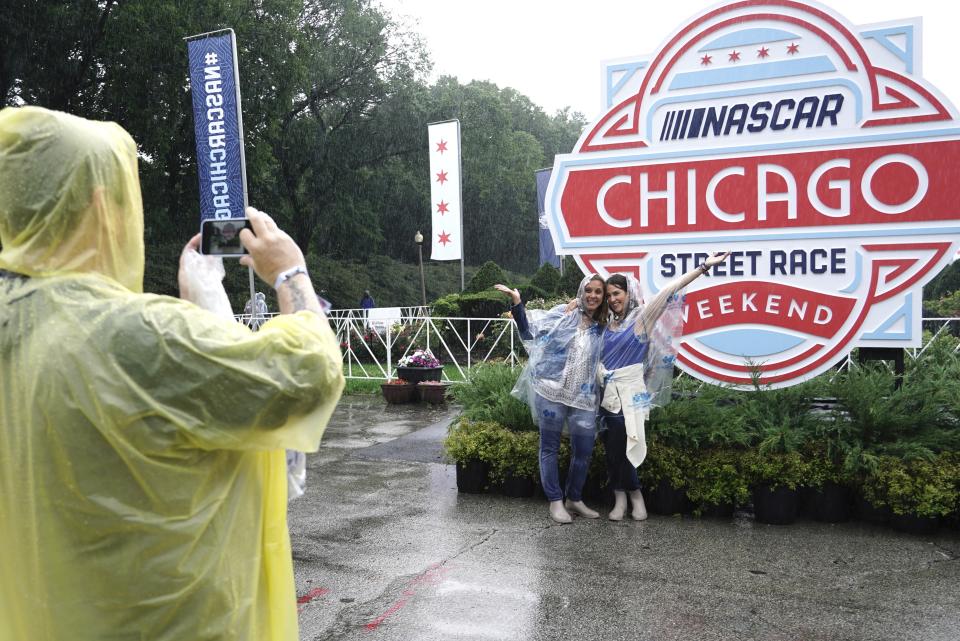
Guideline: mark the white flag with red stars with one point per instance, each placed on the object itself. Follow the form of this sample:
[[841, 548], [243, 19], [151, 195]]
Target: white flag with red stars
[[445, 190]]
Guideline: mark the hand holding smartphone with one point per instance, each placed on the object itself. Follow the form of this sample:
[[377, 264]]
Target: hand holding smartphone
[[221, 237]]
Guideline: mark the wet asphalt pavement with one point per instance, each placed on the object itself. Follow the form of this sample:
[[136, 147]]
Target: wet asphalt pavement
[[386, 549]]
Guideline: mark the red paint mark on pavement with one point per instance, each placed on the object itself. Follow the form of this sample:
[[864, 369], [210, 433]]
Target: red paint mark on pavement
[[312, 594], [431, 576]]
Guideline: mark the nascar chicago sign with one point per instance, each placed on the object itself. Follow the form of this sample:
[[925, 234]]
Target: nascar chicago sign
[[808, 147]]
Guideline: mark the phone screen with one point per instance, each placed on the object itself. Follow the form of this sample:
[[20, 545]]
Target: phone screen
[[221, 237]]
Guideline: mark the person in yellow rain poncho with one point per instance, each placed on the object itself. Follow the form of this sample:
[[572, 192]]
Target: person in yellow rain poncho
[[143, 483]]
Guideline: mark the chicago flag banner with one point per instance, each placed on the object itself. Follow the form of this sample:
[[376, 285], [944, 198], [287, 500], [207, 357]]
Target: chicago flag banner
[[447, 228]]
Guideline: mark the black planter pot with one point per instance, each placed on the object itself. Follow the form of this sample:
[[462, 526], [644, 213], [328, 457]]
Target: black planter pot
[[867, 511], [830, 504], [805, 501], [518, 486], [774, 506], [418, 374], [473, 477], [666, 499], [714, 511], [912, 524]]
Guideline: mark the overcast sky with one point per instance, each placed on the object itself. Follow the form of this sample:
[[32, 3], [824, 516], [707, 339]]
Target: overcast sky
[[551, 51]]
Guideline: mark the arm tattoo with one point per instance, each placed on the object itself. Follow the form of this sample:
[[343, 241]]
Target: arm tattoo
[[297, 294], [299, 302]]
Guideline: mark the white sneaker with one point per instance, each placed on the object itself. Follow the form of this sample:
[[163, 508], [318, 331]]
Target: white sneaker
[[578, 507], [639, 507], [619, 505], [558, 513]]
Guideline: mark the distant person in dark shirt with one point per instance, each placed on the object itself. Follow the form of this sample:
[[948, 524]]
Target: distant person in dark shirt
[[367, 301]]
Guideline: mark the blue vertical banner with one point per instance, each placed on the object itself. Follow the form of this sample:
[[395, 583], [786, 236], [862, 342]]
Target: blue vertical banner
[[548, 254], [218, 125]]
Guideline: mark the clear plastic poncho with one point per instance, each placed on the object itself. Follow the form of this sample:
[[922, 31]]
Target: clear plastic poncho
[[143, 482], [654, 331], [564, 351]]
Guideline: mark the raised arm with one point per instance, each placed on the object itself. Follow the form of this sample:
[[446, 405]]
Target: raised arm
[[276, 259], [653, 309], [517, 310]]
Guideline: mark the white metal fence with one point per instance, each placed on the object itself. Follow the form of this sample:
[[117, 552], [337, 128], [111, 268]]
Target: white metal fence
[[371, 349]]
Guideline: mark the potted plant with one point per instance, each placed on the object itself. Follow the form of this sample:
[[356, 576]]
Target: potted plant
[[419, 366], [398, 390], [518, 465], [825, 489], [474, 446], [919, 492], [774, 477], [433, 392], [664, 476], [780, 421], [717, 484]]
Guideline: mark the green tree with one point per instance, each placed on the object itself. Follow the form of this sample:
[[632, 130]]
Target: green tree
[[335, 108]]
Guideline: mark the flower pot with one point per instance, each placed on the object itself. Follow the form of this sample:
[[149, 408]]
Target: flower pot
[[913, 524], [774, 506], [830, 503], [666, 499], [867, 511], [473, 477], [417, 374], [518, 486], [398, 393], [433, 394]]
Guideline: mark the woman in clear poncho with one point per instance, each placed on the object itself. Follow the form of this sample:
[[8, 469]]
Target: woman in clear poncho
[[635, 374], [559, 384]]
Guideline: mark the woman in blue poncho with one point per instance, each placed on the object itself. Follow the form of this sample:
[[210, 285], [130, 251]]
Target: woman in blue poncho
[[636, 370], [559, 384]]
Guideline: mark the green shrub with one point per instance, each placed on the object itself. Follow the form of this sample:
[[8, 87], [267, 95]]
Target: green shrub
[[711, 417], [531, 292], [507, 452], [820, 468], [447, 307], [485, 304], [547, 279], [570, 281], [475, 441], [664, 462], [779, 420], [520, 456], [487, 398], [920, 488], [775, 469], [916, 421], [486, 277], [716, 479]]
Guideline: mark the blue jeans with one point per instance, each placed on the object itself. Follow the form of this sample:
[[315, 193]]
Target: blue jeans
[[620, 471], [551, 417]]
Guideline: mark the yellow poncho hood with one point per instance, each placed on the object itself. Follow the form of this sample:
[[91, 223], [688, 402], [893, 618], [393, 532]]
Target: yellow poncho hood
[[88, 215]]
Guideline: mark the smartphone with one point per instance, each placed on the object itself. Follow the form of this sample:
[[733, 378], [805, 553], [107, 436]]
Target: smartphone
[[221, 236]]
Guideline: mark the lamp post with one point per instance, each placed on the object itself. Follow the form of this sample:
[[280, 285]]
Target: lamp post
[[418, 239]]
